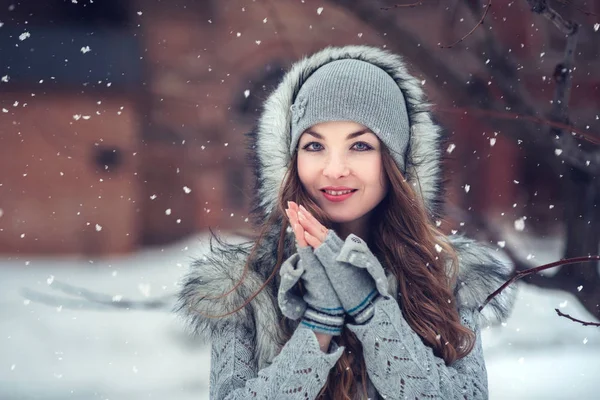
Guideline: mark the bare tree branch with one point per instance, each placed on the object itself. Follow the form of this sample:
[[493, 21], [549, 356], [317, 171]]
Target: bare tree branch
[[560, 314], [417, 3], [541, 7], [522, 274], [487, 8]]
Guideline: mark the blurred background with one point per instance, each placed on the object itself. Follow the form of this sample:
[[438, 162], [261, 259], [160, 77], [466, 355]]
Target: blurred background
[[122, 142]]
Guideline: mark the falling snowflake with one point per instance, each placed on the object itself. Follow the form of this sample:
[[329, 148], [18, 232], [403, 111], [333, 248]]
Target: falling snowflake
[[558, 152], [492, 141], [319, 10], [50, 280], [24, 36], [85, 49], [5, 78], [596, 27], [98, 228], [153, 197], [564, 304], [520, 224], [246, 93], [187, 189], [467, 188], [451, 148], [502, 243], [579, 288], [168, 211], [585, 340]]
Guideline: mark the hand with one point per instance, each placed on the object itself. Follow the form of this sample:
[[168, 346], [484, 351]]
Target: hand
[[308, 230]]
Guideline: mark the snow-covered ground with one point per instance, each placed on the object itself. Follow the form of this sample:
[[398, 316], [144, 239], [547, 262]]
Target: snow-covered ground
[[60, 351]]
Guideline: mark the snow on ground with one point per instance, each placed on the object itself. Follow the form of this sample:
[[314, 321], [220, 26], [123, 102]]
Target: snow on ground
[[53, 352]]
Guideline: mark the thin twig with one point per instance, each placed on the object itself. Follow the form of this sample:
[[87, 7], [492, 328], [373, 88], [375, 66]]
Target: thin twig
[[418, 3], [487, 8], [584, 323], [592, 138], [522, 274]]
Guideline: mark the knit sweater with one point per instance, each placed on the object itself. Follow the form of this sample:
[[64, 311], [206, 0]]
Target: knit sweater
[[399, 365]]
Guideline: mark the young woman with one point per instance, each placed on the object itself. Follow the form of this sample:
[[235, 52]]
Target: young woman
[[350, 291]]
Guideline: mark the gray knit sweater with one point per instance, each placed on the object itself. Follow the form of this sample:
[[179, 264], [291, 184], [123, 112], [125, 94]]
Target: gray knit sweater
[[399, 365]]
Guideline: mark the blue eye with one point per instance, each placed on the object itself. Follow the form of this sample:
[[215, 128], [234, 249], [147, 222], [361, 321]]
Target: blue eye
[[362, 146], [310, 147]]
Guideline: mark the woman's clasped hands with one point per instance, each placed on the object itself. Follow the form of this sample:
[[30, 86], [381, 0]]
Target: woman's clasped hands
[[326, 279], [307, 229]]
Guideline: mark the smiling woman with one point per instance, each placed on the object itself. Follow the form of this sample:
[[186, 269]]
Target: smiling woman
[[350, 290]]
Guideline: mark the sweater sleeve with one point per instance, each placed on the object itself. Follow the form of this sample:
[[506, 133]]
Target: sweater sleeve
[[401, 366], [398, 363], [298, 372]]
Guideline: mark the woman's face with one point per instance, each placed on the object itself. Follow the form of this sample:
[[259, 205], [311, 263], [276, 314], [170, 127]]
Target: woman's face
[[342, 156]]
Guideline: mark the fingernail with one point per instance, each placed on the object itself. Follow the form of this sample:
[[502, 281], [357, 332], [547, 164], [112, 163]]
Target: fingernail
[[303, 209], [288, 204]]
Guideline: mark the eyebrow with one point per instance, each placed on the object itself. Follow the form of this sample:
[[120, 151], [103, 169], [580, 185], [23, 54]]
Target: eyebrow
[[350, 136]]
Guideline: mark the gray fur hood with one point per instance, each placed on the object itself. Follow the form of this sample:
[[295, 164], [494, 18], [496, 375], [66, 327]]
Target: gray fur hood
[[482, 269]]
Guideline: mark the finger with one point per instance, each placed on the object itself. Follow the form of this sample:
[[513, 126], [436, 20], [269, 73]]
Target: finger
[[293, 216], [312, 218], [299, 232], [294, 206], [314, 232], [311, 240], [311, 225]]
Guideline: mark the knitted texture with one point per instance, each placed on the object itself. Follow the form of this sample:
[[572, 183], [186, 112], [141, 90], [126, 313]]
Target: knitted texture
[[299, 372], [399, 365], [353, 285], [324, 312]]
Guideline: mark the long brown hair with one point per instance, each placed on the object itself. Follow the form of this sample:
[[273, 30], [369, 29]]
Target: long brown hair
[[409, 246]]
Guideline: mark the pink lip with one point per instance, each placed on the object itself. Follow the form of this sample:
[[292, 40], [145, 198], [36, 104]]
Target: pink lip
[[337, 199]]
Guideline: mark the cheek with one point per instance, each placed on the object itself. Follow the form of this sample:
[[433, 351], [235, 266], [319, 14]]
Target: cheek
[[305, 170]]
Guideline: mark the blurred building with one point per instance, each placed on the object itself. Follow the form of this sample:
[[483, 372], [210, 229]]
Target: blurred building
[[122, 122]]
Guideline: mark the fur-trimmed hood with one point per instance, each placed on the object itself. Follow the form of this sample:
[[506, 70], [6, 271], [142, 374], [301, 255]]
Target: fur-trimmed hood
[[481, 269]]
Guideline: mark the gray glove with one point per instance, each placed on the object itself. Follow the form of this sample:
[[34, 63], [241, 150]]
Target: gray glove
[[324, 312], [319, 308], [346, 265]]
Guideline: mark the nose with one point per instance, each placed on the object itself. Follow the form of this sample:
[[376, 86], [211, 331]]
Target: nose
[[336, 167]]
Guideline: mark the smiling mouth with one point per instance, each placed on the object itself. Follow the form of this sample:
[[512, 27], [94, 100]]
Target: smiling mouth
[[338, 192]]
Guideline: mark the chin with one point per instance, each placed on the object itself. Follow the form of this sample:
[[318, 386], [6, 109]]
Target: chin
[[342, 218]]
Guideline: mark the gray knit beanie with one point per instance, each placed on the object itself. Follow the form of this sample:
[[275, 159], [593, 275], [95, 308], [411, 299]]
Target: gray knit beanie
[[354, 90]]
